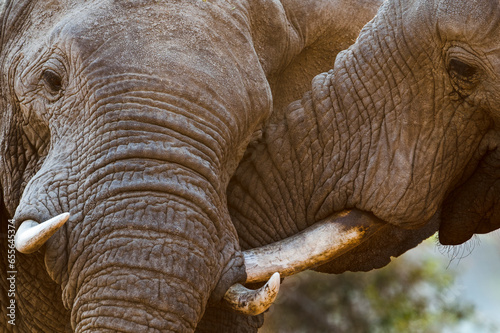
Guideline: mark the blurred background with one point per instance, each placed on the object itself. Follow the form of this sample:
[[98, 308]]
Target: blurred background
[[430, 289]]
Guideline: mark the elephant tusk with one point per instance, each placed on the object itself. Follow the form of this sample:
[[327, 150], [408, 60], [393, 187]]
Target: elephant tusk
[[253, 302], [312, 247], [31, 235]]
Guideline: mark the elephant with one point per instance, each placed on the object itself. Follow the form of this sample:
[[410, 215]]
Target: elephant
[[163, 162]]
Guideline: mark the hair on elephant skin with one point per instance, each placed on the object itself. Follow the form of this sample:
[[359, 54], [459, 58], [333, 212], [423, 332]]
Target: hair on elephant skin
[[157, 156]]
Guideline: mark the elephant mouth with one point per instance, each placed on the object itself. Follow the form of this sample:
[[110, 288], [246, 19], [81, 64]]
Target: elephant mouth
[[473, 206]]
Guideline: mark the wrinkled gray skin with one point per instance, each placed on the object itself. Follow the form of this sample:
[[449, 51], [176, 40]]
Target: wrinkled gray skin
[[134, 116]]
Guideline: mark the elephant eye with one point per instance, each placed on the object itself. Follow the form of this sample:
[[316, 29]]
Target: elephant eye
[[52, 81], [464, 77], [465, 71]]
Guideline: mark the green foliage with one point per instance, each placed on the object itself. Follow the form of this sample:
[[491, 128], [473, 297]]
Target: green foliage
[[409, 295]]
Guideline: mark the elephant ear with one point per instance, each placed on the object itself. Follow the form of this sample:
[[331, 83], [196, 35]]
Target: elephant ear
[[4, 217], [323, 29], [8, 28], [13, 17], [3, 212]]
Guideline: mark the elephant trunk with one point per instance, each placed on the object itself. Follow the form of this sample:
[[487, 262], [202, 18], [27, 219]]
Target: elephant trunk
[[154, 262], [149, 268], [154, 238]]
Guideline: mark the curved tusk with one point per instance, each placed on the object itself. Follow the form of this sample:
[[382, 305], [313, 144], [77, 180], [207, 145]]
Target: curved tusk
[[253, 302], [312, 247], [31, 235]]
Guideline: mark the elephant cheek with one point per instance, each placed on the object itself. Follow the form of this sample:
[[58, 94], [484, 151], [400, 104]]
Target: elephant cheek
[[474, 206]]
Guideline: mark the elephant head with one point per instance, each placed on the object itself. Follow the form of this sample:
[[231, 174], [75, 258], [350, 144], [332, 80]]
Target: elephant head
[[122, 123], [404, 128]]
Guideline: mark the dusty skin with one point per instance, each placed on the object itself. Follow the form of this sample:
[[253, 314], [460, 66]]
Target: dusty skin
[[187, 143]]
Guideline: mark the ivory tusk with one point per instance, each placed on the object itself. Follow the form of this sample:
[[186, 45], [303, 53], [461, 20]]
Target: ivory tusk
[[253, 302], [312, 247], [31, 235]]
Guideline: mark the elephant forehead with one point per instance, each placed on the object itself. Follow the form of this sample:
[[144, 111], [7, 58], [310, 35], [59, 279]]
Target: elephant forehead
[[476, 21], [149, 29]]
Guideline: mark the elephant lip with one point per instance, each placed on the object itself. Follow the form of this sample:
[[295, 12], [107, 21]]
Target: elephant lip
[[456, 233], [472, 206]]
